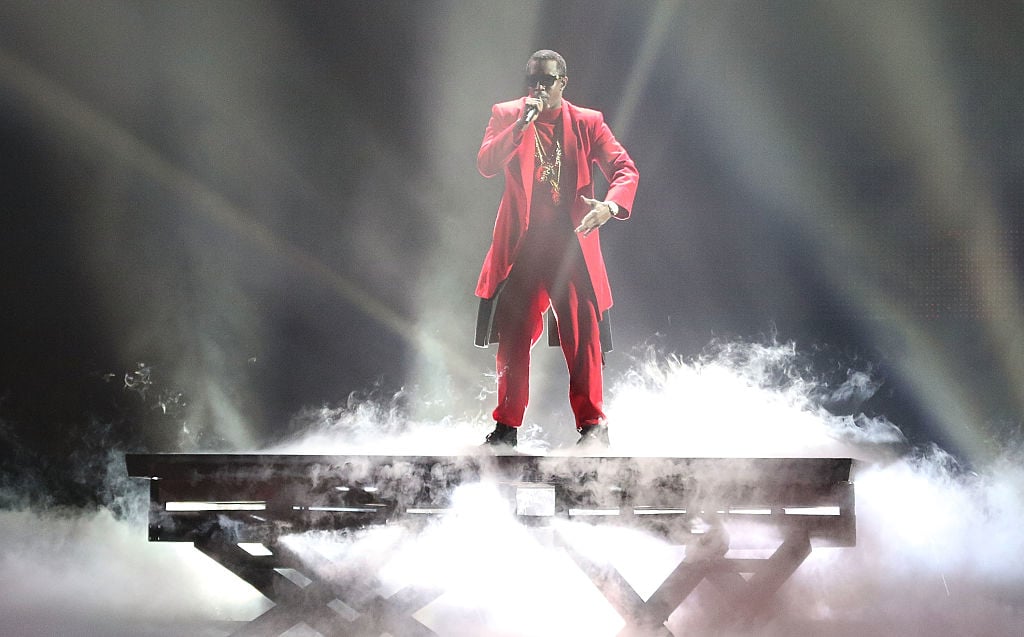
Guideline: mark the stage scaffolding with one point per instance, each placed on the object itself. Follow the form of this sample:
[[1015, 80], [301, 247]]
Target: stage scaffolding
[[227, 504]]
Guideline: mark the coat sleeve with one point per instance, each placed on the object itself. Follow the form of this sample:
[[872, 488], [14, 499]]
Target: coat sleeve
[[617, 166], [501, 139]]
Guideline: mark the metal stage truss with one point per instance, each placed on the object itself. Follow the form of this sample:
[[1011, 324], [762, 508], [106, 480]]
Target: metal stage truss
[[225, 504]]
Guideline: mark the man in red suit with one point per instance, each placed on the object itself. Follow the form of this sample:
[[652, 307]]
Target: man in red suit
[[546, 249]]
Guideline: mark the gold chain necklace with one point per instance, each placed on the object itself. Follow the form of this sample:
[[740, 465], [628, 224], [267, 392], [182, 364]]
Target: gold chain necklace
[[549, 171]]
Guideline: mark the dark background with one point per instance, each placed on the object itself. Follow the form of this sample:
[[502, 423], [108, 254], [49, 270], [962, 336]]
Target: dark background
[[214, 214]]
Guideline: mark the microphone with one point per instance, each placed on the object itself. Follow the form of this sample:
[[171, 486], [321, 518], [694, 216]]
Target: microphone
[[530, 114]]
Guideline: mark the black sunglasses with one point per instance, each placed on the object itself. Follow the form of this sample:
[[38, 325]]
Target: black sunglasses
[[545, 80]]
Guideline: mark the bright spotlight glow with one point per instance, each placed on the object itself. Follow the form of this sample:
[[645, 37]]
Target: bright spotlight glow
[[216, 506]]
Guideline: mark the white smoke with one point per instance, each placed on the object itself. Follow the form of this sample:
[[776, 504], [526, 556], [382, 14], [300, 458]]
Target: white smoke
[[92, 575], [384, 428], [745, 401], [939, 548], [939, 552]]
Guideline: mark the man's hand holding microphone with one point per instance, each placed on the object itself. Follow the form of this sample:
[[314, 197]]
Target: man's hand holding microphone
[[533, 108]]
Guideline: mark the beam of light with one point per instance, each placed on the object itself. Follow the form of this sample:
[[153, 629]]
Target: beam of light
[[74, 119], [659, 27], [778, 156], [456, 107], [917, 89]]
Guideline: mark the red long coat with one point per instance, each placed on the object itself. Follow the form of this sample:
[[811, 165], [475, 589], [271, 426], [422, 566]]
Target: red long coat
[[586, 134]]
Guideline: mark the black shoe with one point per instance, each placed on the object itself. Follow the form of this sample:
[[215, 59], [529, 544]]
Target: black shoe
[[502, 436], [593, 437]]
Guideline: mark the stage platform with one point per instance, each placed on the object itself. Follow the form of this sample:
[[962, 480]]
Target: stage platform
[[225, 503]]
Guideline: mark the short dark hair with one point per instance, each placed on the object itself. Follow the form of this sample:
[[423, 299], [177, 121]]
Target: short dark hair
[[547, 54]]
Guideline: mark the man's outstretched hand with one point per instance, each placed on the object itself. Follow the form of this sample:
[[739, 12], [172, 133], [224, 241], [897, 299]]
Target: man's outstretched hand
[[600, 213]]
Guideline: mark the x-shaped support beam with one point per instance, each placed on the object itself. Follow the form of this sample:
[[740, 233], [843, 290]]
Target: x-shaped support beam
[[745, 598], [332, 608]]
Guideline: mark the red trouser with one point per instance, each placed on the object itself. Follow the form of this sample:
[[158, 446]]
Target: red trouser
[[549, 271]]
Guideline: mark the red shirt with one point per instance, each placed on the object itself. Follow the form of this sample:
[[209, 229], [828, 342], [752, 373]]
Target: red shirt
[[545, 214]]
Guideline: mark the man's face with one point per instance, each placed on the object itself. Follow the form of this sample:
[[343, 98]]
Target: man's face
[[544, 82]]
